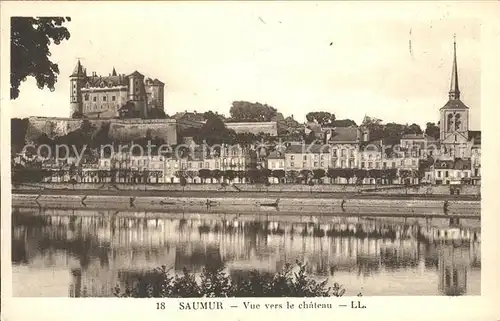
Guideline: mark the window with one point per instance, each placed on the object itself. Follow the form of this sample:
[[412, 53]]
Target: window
[[281, 164], [351, 163], [466, 174], [304, 164], [343, 151], [377, 165], [86, 97], [305, 157], [446, 174], [362, 164], [207, 165], [402, 162], [393, 164], [384, 165], [370, 164], [413, 162], [315, 164], [292, 157], [334, 153], [322, 157], [292, 164], [104, 98], [113, 98], [190, 165], [342, 163], [94, 98], [322, 164], [216, 164]]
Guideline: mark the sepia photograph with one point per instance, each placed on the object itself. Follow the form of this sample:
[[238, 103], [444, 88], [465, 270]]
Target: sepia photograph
[[193, 151]]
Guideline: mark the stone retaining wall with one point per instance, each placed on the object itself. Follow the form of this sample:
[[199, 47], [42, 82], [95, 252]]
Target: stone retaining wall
[[383, 190], [260, 205]]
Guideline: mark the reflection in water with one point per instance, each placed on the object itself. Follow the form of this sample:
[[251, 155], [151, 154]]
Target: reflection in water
[[383, 256]]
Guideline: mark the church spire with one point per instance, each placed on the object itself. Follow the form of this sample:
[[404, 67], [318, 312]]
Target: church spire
[[114, 72], [454, 93]]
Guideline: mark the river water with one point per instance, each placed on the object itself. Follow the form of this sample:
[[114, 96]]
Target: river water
[[61, 253]]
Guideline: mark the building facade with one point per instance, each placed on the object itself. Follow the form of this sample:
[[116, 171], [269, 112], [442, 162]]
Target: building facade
[[97, 96]]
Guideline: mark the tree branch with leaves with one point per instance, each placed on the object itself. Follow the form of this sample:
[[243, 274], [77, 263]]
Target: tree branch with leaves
[[30, 42]]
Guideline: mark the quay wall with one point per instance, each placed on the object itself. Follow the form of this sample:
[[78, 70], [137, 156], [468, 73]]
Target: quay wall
[[306, 206], [371, 189]]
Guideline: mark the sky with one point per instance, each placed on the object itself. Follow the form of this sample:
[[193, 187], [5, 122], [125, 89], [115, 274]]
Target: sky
[[297, 57]]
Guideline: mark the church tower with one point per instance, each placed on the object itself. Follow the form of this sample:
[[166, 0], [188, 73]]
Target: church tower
[[76, 82], [454, 115]]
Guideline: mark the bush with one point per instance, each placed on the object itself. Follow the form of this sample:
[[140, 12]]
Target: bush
[[216, 283]]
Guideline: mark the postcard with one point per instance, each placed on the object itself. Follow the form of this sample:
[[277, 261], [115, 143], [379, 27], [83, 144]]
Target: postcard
[[243, 160]]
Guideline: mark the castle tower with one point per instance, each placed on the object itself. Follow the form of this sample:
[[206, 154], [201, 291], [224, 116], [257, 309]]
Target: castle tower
[[76, 82], [454, 115], [137, 94]]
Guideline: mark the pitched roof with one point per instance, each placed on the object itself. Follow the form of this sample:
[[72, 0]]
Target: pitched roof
[[78, 71], [96, 81], [276, 155], [454, 104], [308, 149], [136, 74], [344, 134], [416, 136], [458, 163], [315, 127], [462, 164]]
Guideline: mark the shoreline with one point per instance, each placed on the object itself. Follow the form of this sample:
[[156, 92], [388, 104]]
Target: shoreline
[[341, 204], [245, 194]]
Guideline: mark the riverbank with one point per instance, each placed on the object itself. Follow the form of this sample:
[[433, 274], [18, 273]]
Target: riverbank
[[323, 189], [263, 203]]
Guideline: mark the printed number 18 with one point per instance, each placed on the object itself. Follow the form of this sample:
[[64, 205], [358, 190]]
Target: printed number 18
[[160, 305]]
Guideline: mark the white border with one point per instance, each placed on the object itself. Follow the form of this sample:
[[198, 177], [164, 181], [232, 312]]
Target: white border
[[484, 307]]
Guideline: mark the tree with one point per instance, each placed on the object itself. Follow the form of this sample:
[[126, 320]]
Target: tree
[[127, 110], [318, 174], [29, 50], [254, 175], [323, 118], [229, 175], [343, 123], [204, 174], [347, 173], [413, 129], [310, 138], [214, 131], [244, 111], [157, 113], [360, 175], [333, 173], [305, 174], [291, 176], [77, 115], [215, 282], [279, 174], [432, 130], [265, 174], [216, 173]]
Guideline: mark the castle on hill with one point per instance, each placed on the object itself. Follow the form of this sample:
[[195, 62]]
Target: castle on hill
[[97, 96]]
